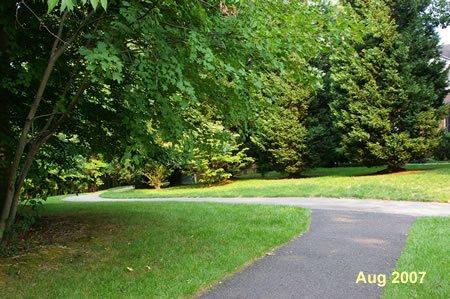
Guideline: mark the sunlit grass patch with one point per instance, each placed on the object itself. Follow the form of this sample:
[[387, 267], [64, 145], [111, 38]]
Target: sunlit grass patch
[[426, 250], [147, 249], [419, 183]]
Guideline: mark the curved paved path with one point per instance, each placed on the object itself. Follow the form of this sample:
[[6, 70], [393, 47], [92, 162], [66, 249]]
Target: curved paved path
[[409, 208], [346, 236]]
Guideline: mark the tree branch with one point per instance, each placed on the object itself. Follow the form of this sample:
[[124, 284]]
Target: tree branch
[[41, 22], [84, 85], [66, 89], [61, 49], [148, 11], [35, 147], [175, 26], [207, 4], [45, 115]]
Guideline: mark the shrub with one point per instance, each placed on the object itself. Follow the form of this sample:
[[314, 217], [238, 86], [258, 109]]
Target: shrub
[[442, 151], [217, 159], [155, 173]]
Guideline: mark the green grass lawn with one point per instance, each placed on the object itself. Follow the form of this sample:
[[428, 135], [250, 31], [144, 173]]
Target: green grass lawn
[[171, 249], [427, 250], [424, 183]]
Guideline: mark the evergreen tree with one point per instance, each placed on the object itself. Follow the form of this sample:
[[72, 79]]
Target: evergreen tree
[[282, 139], [386, 107], [281, 136], [323, 136], [421, 68]]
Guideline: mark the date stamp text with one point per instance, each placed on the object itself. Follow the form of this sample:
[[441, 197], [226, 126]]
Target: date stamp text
[[397, 277]]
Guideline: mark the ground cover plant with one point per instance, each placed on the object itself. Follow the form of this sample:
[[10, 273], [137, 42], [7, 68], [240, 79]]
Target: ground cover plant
[[426, 250], [145, 249], [419, 183]]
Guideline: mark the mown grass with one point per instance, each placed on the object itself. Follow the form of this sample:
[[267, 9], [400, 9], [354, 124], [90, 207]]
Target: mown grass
[[427, 250], [171, 249], [118, 188], [422, 183]]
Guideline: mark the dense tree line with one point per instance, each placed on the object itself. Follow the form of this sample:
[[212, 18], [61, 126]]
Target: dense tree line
[[101, 91]]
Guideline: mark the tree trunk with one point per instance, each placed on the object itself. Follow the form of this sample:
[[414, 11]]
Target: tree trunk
[[17, 173], [12, 176], [4, 148], [21, 179], [4, 170], [5, 99]]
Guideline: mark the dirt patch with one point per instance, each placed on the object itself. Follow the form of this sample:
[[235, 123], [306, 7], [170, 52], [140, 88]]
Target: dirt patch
[[391, 172], [54, 241], [56, 230], [47, 230], [399, 172], [299, 176], [408, 171]]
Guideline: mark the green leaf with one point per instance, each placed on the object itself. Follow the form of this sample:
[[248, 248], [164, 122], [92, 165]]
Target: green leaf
[[51, 5], [63, 5], [104, 4], [61, 107], [94, 3]]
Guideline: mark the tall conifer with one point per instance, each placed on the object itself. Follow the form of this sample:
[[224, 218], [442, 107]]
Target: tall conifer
[[386, 101]]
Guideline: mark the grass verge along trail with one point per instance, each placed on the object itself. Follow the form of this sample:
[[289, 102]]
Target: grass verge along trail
[[113, 250], [426, 250], [419, 183]]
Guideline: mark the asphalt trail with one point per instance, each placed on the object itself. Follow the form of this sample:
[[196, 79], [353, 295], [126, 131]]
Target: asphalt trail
[[346, 236], [325, 261]]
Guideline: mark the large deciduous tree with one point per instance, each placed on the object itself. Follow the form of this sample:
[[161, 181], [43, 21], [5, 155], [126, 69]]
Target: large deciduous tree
[[35, 104], [126, 70], [139, 60]]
